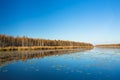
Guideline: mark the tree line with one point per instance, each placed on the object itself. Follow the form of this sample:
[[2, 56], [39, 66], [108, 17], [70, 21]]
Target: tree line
[[10, 41]]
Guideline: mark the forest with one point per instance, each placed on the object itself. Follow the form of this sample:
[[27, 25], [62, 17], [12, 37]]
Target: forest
[[10, 41]]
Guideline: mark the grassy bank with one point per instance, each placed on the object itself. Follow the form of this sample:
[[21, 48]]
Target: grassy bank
[[43, 48]]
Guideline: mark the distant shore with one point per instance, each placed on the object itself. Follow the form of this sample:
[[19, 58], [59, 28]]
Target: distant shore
[[108, 46]]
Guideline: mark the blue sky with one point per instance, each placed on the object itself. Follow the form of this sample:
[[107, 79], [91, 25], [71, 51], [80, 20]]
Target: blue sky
[[94, 21]]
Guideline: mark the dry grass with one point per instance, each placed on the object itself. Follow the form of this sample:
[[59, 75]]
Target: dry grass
[[43, 48]]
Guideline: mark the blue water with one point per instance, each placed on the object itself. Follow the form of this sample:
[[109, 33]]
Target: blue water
[[95, 64]]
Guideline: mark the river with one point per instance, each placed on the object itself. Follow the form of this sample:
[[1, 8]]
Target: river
[[79, 64]]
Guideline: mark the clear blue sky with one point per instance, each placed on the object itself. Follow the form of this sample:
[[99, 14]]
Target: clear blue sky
[[95, 21]]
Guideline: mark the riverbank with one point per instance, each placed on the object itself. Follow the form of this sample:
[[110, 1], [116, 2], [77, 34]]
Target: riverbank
[[43, 48], [108, 46]]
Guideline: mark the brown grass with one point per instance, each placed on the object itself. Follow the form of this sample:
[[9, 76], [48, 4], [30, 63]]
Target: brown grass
[[43, 48]]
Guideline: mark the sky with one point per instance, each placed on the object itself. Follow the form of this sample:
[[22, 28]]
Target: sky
[[93, 21]]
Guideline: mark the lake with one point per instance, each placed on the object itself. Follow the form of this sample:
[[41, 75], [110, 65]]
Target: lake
[[77, 64]]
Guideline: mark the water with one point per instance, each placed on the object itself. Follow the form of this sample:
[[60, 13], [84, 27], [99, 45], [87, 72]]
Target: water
[[95, 64]]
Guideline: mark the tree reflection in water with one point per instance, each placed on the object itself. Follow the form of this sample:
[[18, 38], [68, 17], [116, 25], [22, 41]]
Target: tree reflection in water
[[9, 57]]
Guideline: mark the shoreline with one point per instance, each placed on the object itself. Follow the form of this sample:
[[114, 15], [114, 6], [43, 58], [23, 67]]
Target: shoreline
[[42, 48], [108, 46]]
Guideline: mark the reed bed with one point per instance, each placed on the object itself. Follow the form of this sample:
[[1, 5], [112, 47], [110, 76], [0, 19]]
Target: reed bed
[[43, 48]]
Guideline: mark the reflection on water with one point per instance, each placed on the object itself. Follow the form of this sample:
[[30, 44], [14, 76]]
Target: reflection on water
[[95, 64], [8, 57]]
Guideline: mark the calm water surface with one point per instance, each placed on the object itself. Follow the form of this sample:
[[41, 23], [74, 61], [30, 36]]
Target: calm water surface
[[95, 64]]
